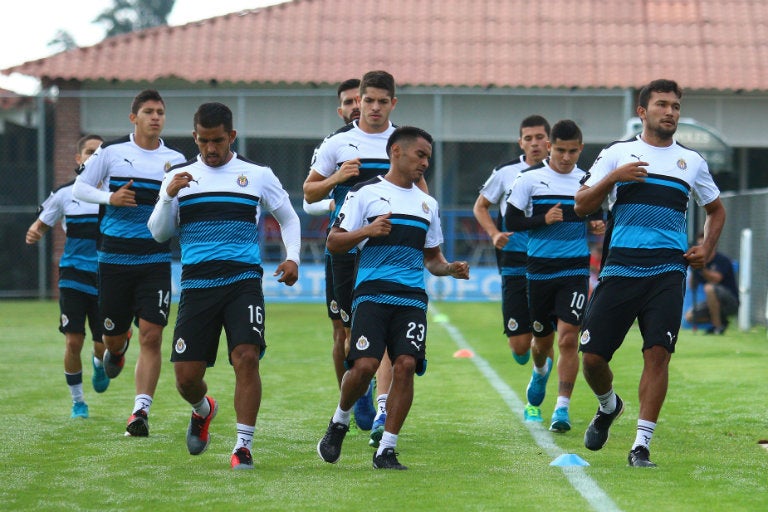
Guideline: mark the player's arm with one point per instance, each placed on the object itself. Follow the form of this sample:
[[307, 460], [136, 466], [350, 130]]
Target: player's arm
[[319, 208], [589, 199], [290, 232], [341, 241], [36, 231], [437, 265], [699, 255], [481, 211], [164, 219], [317, 187]]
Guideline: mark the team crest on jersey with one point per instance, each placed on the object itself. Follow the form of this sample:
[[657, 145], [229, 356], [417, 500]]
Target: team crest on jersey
[[362, 343], [512, 325], [344, 315], [334, 307], [425, 207], [538, 327], [242, 180], [180, 346], [585, 337], [682, 165], [64, 320], [109, 324], [167, 166]]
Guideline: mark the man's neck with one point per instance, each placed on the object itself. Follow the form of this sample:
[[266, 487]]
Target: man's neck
[[145, 142]]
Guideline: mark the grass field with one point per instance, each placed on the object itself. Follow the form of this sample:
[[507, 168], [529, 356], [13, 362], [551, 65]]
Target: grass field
[[464, 441]]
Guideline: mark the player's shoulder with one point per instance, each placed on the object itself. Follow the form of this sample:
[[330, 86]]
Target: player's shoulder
[[533, 169], [63, 188], [114, 143]]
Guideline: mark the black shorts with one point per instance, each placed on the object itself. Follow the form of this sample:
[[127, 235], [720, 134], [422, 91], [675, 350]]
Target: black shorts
[[656, 302], [133, 291], [564, 298], [75, 307], [514, 305], [400, 330], [344, 267], [330, 297], [237, 307]]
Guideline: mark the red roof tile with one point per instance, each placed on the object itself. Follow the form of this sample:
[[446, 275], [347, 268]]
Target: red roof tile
[[704, 44]]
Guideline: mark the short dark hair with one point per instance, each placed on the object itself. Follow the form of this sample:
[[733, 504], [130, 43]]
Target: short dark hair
[[85, 138], [406, 133], [350, 83], [534, 120], [213, 114], [380, 80], [143, 97], [660, 85], [566, 130]]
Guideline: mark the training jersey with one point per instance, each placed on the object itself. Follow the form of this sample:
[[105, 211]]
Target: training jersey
[[512, 258], [218, 220], [125, 239], [559, 249], [647, 233], [347, 143], [391, 268], [78, 265]]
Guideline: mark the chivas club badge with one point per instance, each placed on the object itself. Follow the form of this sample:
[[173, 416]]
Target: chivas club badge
[[242, 180], [682, 165]]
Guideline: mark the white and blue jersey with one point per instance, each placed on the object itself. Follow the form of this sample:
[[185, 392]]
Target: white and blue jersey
[[648, 231], [511, 259], [218, 219], [125, 239], [391, 268], [78, 265], [559, 249]]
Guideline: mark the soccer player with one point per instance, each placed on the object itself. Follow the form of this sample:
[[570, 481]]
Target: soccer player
[[557, 265], [78, 286], [124, 177], [647, 181], [511, 247], [352, 155], [398, 229], [348, 110], [214, 201]]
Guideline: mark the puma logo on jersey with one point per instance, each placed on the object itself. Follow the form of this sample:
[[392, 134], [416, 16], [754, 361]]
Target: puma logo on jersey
[[352, 145], [130, 162]]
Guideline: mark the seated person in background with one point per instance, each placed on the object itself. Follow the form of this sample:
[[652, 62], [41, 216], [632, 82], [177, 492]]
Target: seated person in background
[[720, 290]]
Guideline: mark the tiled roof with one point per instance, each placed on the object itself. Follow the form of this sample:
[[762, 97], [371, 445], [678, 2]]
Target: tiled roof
[[704, 44]]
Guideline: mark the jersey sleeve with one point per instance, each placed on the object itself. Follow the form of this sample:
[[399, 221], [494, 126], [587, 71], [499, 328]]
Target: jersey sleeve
[[435, 231], [273, 195], [704, 188], [519, 195], [493, 188], [324, 158], [52, 209]]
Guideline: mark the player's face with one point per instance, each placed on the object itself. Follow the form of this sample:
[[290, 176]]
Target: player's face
[[214, 144], [89, 148], [349, 105], [533, 142], [150, 119], [563, 155], [375, 107], [413, 159], [661, 115]]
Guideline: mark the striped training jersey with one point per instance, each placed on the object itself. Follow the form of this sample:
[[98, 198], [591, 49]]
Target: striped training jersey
[[125, 239], [391, 268], [218, 219], [648, 231], [511, 259], [559, 249], [78, 265]]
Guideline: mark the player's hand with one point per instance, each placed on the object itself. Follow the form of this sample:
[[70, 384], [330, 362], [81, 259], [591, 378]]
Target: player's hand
[[179, 181], [33, 235], [554, 214], [123, 196], [381, 226], [347, 170], [697, 256], [597, 227], [288, 272], [501, 238], [458, 269], [632, 171]]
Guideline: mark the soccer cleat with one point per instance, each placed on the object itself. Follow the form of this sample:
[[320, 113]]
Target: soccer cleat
[[639, 457], [532, 413], [113, 363], [99, 379], [79, 410], [560, 420], [537, 387], [523, 359], [329, 447], [377, 430], [597, 433], [241, 459], [387, 460], [364, 410], [138, 424], [197, 432]]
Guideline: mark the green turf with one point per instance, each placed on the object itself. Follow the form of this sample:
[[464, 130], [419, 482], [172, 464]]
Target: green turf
[[466, 449]]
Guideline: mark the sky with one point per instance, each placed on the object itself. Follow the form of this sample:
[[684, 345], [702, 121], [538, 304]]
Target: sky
[[26, 31]]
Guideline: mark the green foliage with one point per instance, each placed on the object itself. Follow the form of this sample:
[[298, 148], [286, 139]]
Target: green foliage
[[127, 16], [466, 446]]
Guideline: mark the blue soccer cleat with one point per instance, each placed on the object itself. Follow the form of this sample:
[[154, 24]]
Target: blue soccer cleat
[[537, 387]]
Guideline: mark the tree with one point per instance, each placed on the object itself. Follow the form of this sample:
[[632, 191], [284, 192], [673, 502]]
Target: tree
[[131, 15], [62, 41]]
